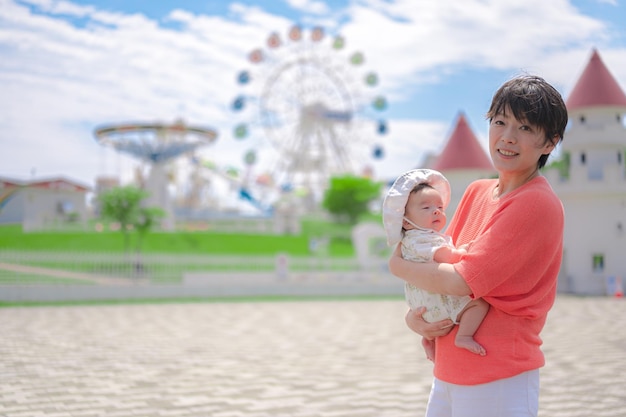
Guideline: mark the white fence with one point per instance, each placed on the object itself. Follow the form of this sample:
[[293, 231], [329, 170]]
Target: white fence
[[75, 276]]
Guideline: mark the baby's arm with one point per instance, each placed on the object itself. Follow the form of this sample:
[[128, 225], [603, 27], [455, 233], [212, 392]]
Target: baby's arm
[[448, 255]]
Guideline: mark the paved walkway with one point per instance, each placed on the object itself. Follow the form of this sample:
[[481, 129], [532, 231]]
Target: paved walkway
[[301, 359]]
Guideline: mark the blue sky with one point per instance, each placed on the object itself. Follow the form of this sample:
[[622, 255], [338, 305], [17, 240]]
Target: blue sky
[[70, 66]]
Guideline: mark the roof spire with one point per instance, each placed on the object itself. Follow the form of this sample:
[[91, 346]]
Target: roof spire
[[462, 150], [596, 87]]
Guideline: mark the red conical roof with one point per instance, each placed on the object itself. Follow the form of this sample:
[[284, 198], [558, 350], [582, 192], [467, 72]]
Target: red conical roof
[[596, 87], [462, 151]]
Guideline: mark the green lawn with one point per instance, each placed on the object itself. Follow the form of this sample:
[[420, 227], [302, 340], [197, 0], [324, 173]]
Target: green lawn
[[201, 242]]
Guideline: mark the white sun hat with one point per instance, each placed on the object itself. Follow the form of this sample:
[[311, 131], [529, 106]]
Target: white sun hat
[[397, 196]]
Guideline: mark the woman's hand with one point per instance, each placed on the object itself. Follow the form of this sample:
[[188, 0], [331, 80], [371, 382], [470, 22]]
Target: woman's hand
[[428, 330]]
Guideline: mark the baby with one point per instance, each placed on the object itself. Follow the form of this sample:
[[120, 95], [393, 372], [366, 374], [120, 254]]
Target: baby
[[413, 214]]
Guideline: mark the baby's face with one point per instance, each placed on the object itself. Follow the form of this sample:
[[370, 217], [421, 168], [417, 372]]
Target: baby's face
[[425, 209]]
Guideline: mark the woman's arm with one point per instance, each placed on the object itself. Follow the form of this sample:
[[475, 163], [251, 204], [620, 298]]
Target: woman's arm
[[429, 276]]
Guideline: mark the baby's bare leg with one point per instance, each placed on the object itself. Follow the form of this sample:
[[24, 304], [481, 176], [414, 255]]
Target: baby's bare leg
[[429, 348], [469, 321]]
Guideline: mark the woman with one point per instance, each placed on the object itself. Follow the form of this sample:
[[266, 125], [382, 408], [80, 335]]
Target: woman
[[514, 225]]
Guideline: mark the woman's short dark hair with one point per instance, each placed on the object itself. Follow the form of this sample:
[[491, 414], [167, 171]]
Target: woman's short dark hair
[[535, 101]]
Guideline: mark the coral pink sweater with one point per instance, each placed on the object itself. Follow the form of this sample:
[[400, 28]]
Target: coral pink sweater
[[513, 264]]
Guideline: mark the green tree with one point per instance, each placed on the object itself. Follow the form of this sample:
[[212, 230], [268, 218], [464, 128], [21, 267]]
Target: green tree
[[123, 205], [148, 217], [349, 196], [562, 165]]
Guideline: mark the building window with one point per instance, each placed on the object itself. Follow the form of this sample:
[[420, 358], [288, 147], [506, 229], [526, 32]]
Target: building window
[[598, 263]]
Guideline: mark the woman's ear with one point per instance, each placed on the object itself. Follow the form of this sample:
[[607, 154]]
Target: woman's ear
[[550, 145]]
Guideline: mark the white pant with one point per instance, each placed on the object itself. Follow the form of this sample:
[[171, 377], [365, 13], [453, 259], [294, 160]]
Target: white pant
[[517, 396]]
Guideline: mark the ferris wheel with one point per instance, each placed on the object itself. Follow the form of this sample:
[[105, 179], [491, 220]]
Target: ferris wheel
[[315, 103]]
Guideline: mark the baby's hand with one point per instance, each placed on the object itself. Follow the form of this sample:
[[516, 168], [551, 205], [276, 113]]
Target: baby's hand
[[465, 247]]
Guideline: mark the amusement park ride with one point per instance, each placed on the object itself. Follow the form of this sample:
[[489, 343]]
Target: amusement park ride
[[156, 144], [314, 102]]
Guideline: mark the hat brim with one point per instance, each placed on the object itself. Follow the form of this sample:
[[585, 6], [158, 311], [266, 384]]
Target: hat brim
[[398, 195]]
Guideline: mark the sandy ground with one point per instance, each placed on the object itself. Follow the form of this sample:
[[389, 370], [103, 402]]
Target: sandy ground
[[304, 358]]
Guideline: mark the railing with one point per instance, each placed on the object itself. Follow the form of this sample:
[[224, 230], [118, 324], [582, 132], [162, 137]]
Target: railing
[[24, 268], [52, 276]]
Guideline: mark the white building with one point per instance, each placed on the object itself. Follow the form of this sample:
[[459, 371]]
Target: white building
[[43, 204], [593, 190]]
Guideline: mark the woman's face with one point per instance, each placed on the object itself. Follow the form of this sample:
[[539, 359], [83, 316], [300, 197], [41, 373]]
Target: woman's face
[[515, 146]]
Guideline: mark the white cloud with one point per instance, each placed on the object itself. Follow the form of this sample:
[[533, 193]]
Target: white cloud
[[419, 40], [309, 6], [59, 81], [409, 141]]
